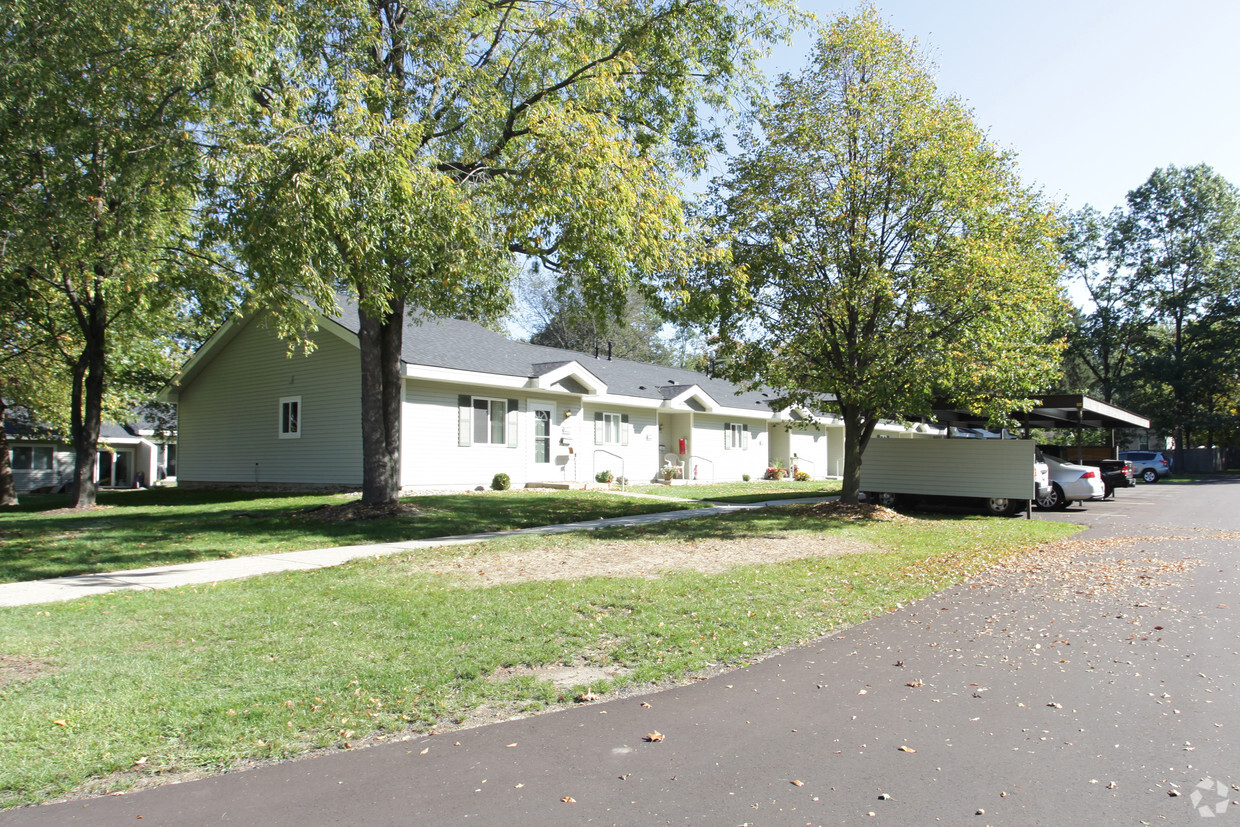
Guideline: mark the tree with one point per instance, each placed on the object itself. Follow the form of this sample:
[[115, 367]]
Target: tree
[[876, 250], [101, 108], [1179, 235], [559, 316], [405, 152], [1110, 337]]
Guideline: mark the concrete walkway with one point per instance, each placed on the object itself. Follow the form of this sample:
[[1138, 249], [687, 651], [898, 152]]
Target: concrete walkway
[[211, 571]]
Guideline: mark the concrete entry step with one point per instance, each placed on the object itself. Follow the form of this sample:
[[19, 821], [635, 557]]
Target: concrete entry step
[[558, 486]]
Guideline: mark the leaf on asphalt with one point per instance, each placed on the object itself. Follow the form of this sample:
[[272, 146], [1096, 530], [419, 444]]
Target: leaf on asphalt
[[646, 705], [424, 751], [914, 683], [1055, 705], [903, 748], [797, 783], [517, 786], [568, 799], [510, 746], [654, 736]]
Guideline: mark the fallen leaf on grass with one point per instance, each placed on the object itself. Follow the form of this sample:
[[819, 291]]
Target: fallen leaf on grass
[[654, 736], [587, 696], [140, 761]]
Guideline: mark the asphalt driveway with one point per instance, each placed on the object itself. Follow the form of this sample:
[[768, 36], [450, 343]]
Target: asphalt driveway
[[1097, 686]]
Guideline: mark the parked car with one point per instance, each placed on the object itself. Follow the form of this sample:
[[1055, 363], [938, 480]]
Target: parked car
[[1116, 473], [1070, 483], [1150, 466]]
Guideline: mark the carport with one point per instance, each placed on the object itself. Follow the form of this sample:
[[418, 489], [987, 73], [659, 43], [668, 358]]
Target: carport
[[1072, 411]]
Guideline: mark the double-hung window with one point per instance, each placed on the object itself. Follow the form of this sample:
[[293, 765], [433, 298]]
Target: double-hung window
[[290, 417], [611, 428], [486, 421], [735, 436], [489, 415]]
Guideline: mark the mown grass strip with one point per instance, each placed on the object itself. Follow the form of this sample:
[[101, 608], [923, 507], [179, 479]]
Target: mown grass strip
[[135, 529], [745, 492], [195, 680]]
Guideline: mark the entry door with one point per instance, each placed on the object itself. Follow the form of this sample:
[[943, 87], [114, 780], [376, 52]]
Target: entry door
[[542, 434]]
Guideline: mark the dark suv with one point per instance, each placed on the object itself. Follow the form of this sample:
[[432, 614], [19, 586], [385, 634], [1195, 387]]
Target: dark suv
[[1150, 466]]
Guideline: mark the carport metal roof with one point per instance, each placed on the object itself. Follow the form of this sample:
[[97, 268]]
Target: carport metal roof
[[1069, 410]]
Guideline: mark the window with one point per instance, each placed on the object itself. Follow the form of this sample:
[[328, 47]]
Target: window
[[30, 458], [486, 421], [489, 417], [735, 436], [611, 428], [290, 417]]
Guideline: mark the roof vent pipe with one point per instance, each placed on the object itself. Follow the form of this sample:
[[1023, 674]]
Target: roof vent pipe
[[608, 350], [596, 348]]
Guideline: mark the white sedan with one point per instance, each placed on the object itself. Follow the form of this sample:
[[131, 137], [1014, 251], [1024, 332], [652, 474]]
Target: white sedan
[[1069, 483]]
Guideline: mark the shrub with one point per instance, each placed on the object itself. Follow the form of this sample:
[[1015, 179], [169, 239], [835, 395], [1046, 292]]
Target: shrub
[[604, 477], [501, 482], [801, 476], [745, 477], [774, 473]]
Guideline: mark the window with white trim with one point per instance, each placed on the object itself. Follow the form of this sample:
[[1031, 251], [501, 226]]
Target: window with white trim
[[735, 436], [486, 421], [611, 428], [290, 417], [30, 458], [489, 417]]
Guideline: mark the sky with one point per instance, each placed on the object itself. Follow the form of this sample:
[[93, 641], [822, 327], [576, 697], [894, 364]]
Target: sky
[[1091, 95]]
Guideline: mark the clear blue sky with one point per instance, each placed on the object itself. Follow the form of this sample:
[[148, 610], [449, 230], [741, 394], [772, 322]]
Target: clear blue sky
[[1092, 95]]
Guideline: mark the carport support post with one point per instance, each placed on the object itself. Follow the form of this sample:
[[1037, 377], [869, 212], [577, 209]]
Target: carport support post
[[1080, 424]]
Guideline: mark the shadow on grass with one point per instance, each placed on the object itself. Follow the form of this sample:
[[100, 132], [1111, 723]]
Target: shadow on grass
[[165, 526]]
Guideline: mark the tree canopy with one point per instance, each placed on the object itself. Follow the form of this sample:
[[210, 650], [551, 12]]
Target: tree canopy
[[406, 152], [101, 108], [1163, 276], [875, 250]]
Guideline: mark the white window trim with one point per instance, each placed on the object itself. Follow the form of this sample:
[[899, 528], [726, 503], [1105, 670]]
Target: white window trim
[[286, 400], [490, 400], [613, 426]]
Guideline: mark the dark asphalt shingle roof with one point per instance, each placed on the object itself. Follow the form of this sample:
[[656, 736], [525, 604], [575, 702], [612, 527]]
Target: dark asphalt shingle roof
[[468, 346]]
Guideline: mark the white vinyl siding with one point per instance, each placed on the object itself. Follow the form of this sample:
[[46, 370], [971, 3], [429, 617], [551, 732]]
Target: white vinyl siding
[[486, 428], [951, 467], [38, 466], [630, 435], [225, 428], [713, 452]]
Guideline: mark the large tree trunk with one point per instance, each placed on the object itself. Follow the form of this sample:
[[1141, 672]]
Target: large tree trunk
[[380, 337], [858, 427], [87, 419], [8, 490]]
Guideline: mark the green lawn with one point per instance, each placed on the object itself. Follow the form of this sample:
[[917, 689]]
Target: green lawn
[[745, 492], [135, 529], [96, 692]]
